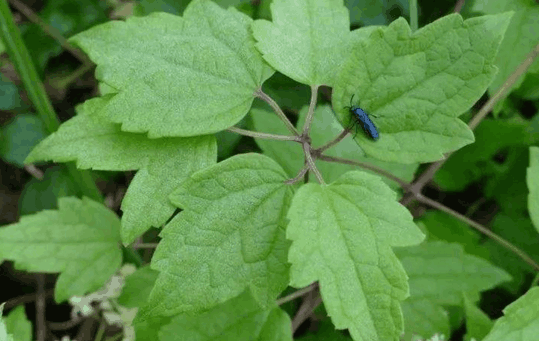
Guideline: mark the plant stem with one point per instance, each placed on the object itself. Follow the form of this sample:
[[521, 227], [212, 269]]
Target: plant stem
[[333, 142], [298, 177], [375, 169], [297, 293], [480, 228], [413, 15], [310, 162], [256, 134], [263, 96], [310, 113], [50, 30]]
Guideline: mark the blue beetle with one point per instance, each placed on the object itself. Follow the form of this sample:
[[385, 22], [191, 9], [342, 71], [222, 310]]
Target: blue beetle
[[359, 116]]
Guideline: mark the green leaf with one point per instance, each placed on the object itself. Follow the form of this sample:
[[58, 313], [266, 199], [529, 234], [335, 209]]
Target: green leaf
[[67, 17], [325, 332], [240, 318], [521, 320], [532, 179], [518, 230], [20, 136], [80, 240], [529, 89], [4, 336], [17, 324], [474, 161], [478, 324], [137, 287], [177, 76], [135, 293], [287, 92], [9, 94], [307, 40], [145, 7], [163, 163], [508, 184], [288, 154], [424, 318], [324, 128], [443, 227], [439, 273], [342, 236], [520, 38], [376, 12], [43, 194], [415, 85], [230, 237]]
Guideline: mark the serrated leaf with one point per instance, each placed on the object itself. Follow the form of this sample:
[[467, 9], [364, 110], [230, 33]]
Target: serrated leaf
[[20, 136], [478, 324], [4, 336], [240, 318], [163, 163], [532, 179], [520, 38], [415, 85], [307, 40], [80, 240], [17, 324], [229, 237], [342, 236], [177, 76], [521, 320], [439, 273]]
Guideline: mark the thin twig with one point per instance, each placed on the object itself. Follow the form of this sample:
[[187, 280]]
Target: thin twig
[[311, 164], [49, 30], [333, 142], [429, 173], [310, 302], [258, 135], [34, 171], [310, 113], [66, 324], [263, 96], [375, 169], [433, 203], [101, 330], [25, 299], [298, 177], [145, 246], [459, 5], [41, 326], [297, 293]]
